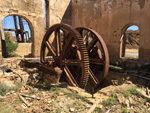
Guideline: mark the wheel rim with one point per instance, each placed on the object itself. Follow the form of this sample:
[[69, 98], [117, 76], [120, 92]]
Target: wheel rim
[[63, 46], [98, 57]]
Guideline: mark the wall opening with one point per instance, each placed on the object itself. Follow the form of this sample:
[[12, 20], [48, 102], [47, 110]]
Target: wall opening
[[16, 29], [129, 47], [47, 14]]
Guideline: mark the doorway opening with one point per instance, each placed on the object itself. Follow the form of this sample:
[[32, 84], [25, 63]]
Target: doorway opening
[[129, 47], [16, 37]]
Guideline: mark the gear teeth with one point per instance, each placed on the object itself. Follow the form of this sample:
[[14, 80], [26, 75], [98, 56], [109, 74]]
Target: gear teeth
[[104, 51], [84, 54]]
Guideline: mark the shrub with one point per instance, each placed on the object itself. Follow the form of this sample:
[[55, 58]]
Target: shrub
[[5, 89], [130, 91], [74, 95], [54, 89], [10, 46], [97, 110], [134, 91], [124, 110], [111, 100], [126, 93]]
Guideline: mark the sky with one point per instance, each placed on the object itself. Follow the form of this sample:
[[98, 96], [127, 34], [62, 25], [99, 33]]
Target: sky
[[133, 27], [8, 23]]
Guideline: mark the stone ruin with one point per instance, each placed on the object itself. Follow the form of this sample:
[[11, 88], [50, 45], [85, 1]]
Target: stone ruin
[[109, 18]]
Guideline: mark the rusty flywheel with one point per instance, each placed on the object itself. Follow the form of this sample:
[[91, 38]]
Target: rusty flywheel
[[98, 57], [63, 46], [73, 50]]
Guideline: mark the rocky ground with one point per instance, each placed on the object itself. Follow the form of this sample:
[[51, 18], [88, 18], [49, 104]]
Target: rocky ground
[[27, 90]]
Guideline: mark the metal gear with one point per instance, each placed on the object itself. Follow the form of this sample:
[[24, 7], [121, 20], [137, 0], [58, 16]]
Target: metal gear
[[63, 46], [98, 57]]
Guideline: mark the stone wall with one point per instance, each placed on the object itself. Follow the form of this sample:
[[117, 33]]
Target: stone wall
[[110, 18], [60, 11], [31, 10], [24, 47]]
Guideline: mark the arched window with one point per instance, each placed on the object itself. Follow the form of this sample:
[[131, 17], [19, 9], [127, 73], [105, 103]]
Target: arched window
[[17, 30], [130, 42]]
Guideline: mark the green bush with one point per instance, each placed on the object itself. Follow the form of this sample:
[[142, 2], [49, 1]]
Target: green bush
[[5, 89], [10, 46], [126, 93], [130, 91], [111, 100], [124, 110]]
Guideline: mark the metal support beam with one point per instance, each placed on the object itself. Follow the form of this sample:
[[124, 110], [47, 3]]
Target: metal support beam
[[16, 27], [21, 29], [10, 30]]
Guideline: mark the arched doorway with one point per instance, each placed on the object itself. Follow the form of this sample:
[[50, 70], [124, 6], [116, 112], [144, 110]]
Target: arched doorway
[[17, 30], [129, 47]]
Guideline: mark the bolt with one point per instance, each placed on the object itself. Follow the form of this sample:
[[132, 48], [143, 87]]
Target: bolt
[[92, 92]]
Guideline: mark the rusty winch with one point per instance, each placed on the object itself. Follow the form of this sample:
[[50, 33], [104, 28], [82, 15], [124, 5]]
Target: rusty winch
[[80, 52]]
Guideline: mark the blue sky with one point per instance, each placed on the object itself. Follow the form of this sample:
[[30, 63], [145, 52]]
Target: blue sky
[[133, 27], [8, 23]]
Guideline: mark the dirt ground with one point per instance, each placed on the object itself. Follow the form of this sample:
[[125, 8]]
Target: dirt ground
[[25, 90]]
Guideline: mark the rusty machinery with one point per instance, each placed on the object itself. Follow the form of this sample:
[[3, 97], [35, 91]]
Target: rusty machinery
[[81, 53]]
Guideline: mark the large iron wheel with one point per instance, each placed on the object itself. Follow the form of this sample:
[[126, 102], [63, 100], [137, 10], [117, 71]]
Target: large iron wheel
[[63, 46], [98, 57]]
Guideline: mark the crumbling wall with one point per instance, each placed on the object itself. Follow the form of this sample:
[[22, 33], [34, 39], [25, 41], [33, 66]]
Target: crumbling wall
[[110, 18], [31, 10], [60, 11]]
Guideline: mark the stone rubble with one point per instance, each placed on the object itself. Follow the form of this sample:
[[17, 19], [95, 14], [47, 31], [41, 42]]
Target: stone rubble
[[55, 98]]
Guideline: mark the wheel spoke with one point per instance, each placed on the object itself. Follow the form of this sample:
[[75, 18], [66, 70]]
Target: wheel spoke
[[91, 44], [79, 54], [66, 48], [94, 51], [71, 62], [68, 53], [70, 77], [100, 53], [93, 76], [98, 57], [50, 48], [59, 41], [56, 41], [97, 61]]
